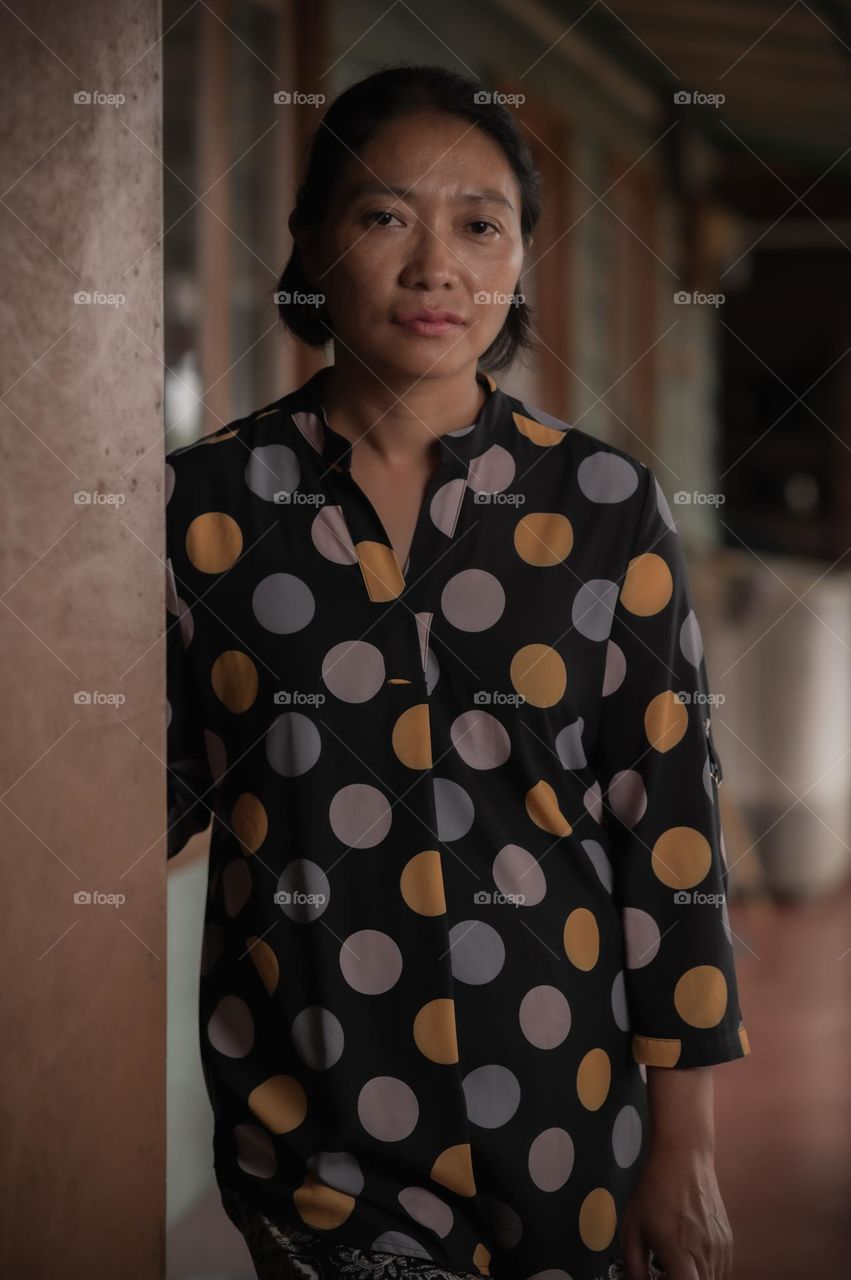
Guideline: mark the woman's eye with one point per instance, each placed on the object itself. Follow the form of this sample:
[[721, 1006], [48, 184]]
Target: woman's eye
[[382, 213], [480, 222]]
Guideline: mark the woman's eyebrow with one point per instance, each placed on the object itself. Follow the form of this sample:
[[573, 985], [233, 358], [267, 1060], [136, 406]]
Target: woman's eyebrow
[[487, 195]]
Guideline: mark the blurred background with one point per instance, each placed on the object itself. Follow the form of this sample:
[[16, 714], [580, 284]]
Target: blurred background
[[690, 280]]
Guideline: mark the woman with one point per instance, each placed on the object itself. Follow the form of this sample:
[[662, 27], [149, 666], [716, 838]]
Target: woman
[[467, 962]]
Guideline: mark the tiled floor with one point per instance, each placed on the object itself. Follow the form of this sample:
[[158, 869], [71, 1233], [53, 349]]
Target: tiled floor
[[783, 1113]]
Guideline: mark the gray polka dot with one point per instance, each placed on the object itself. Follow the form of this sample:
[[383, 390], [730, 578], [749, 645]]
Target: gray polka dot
[[620, 1008], [477, 952], [330, 535], [518, 874], [371, 961], [569, 746], [303, 890], [493, 1095], [271, 469], [472, 600], [398, 1242], [231, 1027], [593, 608], [282, 603], [360, 815], [445, 505], [354, 670], [338, 1169], [255, 1152], [427, 1209], [551, 1159], [615, 668], [480, 739], [662, 504], [691, 641], [492, 471], [544, 1017], [454, 809], [627, 796], [170, 477], [292, 744], [600, 862], [606, 477], [388, 1108], [626, 1136], [641, 937], [318, 1037]]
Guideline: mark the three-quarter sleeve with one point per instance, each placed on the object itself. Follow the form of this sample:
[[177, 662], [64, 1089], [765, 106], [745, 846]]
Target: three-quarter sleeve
[[190, 787], [659, 773]]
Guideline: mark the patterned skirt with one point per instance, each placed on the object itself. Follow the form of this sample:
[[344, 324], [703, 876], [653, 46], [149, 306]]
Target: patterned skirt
[[295, 1254]]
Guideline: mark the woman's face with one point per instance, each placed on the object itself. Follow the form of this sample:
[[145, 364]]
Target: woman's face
[[445, 238]]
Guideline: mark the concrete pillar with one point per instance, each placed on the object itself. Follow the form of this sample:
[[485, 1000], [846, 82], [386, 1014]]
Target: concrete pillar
[[82, 912]]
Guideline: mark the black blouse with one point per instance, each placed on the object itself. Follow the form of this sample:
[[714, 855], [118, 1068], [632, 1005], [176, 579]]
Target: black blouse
[[466, 874]]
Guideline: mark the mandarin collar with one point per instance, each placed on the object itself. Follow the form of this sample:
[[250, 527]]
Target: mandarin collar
[[464, 443]]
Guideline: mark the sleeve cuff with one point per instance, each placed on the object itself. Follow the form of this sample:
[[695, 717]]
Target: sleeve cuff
[[695, 1050]]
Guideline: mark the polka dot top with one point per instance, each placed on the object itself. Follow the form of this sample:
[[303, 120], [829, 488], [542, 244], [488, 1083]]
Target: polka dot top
[[466, 877]]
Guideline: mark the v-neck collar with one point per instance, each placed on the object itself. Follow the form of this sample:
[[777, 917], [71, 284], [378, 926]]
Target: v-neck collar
[[464, 443]]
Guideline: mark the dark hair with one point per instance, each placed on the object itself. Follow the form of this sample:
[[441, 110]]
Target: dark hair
[[349, 123]]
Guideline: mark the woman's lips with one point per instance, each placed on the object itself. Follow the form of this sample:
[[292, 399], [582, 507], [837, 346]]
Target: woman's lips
[[429, 327]]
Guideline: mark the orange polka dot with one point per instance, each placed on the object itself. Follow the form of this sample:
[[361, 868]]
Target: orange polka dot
[[235, 680], [665, 720], [321, 1206], [543, 538], [597, 1219], [681, 857], [453, 1169], [213, 542], [543, 808], [412, 737], [249, 821], [582, 938], [380, 570], [700, 996], [265, 962], [648, 585], [279, 1103], [593, 1079], [537, 671], [434, 1031], [421, 884]]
